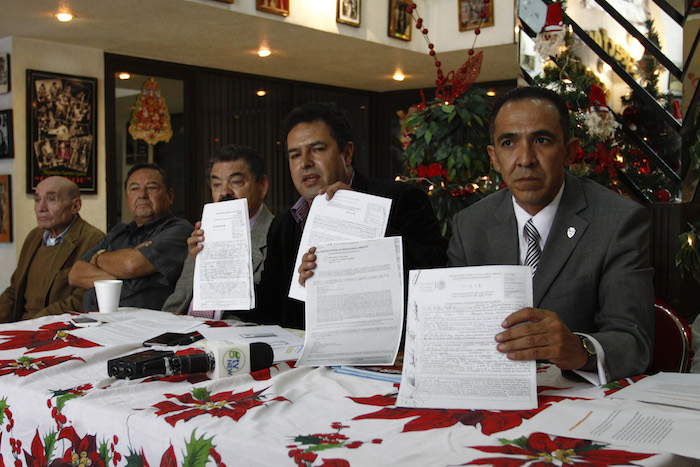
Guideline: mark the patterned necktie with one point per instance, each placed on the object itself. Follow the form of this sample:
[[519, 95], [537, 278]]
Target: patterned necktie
[[532, 258]]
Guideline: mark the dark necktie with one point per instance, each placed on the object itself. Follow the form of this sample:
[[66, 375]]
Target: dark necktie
[[532, 258]]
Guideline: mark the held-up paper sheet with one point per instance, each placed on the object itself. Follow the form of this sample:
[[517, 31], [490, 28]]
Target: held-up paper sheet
[[223, 272], [450, 357], [349, 215], [354, 306]]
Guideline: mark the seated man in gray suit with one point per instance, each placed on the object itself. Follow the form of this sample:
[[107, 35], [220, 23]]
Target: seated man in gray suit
[[593, 292], [234, 172]]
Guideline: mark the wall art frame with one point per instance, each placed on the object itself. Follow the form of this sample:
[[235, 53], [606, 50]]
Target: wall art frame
[[6, 208], [348, 12], [278, 7], [470, 14], [5, 73], [400, 20], [7, 143], [61, 129]]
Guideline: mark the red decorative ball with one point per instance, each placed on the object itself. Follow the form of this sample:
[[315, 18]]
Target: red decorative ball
[[482, 15], [696, 4], [432, 53], [431, 46], [662, 195], [477, 31], [486, 2], [437, 63], [425, 31], [471, 51], [419, 23], [409, 10], [439, 73], [413, 5]]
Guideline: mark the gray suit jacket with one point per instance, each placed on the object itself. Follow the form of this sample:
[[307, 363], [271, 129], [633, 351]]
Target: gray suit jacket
[[594, 271], [179, 301]]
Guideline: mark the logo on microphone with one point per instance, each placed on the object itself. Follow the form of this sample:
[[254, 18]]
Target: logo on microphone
[[234, 361]]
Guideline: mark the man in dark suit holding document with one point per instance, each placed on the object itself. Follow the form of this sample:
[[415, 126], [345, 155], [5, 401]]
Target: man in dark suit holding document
[[593, 292], [320, 148]]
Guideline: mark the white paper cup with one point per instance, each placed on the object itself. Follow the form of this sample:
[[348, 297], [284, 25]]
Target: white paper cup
[[108, 293]]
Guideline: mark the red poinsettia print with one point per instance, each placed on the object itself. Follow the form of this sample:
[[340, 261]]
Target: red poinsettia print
[[48, 337], [82, 451], [24, 366], [200, 402], [541, 449], [305, 451], [621, 383], [429, 419]]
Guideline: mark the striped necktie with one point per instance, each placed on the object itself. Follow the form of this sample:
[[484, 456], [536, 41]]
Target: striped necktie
[[532, 258]]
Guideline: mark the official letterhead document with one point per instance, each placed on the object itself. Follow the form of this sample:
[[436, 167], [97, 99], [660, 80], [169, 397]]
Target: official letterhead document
[[355, 303], [679, 389], [223, 271], [621, 422], [450, 356], [349, 215]]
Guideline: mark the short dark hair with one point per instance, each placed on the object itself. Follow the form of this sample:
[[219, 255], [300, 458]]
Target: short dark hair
[[152, 166], [327, 112], [533, 92], [234, 152]]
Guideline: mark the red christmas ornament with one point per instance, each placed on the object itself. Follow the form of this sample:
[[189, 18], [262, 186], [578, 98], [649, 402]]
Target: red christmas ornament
[[662, 195]]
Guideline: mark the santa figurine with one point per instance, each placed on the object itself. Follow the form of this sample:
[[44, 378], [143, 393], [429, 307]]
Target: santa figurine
[[599, 121], [551, 40]]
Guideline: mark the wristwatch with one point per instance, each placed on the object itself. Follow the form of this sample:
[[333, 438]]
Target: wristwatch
[[97, 255], [590, 351]]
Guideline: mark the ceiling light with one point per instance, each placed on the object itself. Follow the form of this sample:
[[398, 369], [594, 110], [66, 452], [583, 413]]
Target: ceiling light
[[124, 75], [261, 93], [263, 52], [63, 17], [490, 93], [398, 76]]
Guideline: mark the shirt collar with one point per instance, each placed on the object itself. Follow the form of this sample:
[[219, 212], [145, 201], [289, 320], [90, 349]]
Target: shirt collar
[[542, 220], [255, 217], [48, 241], [300, 209]]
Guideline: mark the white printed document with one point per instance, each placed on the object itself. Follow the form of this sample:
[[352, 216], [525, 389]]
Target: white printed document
[[223, 271], [349, 215], [354, 306], [450, 357], [679, 389], [620, 422]]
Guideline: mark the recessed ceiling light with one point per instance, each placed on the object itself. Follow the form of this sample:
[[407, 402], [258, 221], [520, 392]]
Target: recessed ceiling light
[[124, 75], [398, 76], [263, 52], [261, 93], [64, 17]]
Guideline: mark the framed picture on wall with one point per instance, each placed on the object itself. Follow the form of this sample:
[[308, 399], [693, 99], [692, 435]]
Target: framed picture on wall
[[6, 142], [61, 129], [400, 20], [475, 14], [348, 12], [278, 7], [4, 73], [5, 209]]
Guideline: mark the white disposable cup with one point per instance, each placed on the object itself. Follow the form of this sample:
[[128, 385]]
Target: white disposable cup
[[108, 293]]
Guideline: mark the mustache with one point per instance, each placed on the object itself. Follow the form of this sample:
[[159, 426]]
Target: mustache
[[227, 197]]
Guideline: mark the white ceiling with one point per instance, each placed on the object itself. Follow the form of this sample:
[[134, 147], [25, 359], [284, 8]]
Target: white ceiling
[[194, 33]]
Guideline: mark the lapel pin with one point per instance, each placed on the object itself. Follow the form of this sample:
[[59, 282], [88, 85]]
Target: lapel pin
[[570, 232]]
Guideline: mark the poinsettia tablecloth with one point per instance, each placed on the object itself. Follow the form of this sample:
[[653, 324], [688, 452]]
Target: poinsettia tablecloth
[[59, 407]]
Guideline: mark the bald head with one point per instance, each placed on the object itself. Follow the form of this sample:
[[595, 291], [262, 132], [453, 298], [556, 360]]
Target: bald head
[[56, 202]]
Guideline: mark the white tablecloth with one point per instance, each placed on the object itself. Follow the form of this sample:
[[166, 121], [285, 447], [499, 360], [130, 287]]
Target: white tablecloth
[[57, 404]]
